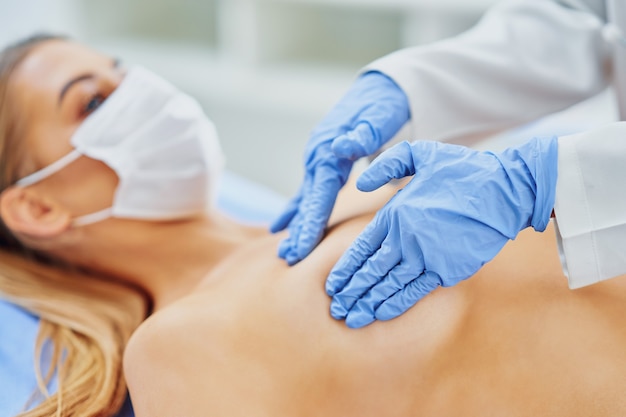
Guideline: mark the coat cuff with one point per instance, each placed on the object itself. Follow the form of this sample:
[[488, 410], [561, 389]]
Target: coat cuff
[[590, 205]]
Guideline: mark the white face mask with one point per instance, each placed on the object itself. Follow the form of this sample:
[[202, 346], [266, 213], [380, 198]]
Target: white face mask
[[163, 148]]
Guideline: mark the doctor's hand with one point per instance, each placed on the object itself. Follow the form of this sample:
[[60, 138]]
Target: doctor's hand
[[368, 116], [455, 215]]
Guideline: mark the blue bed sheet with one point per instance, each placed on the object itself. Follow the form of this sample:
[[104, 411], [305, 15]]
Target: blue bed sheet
[[238, 197]]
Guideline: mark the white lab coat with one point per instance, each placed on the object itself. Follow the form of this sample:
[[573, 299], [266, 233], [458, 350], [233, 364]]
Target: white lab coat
[[523, 60]]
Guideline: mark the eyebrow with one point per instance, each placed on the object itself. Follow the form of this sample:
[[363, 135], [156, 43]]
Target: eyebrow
[[83, 77], [70, 83]]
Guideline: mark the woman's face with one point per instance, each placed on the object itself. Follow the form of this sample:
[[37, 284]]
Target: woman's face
[[53, 90]]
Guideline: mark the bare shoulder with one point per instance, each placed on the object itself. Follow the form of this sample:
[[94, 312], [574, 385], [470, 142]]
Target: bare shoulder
[[169, 354]]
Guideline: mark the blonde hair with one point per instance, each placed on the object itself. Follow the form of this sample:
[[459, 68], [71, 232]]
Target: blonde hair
[[85, 321]]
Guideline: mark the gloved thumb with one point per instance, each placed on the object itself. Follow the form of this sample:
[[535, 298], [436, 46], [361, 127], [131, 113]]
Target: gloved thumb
[[357, 143], [396, 162]]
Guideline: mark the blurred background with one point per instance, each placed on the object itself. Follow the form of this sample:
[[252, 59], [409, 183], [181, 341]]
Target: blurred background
[[266, 71]]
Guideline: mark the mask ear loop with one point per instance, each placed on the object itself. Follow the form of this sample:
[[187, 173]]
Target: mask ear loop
[[93, 217], [57, 166], [43, 173]]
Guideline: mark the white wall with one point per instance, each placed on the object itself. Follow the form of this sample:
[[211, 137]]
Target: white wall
[[21, 18]]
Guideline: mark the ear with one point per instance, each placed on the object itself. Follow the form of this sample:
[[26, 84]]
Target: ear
[[26, 212]]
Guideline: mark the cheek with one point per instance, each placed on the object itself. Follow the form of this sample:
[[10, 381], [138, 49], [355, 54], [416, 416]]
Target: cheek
[[85, 186], [49, 140]]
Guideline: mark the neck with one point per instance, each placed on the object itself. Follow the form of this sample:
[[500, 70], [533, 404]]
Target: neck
[[167, 259]]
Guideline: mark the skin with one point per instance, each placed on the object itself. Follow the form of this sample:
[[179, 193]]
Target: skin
[[256, 340], [238, 333]]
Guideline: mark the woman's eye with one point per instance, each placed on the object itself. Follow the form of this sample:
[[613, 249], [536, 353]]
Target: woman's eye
[[93, 104]]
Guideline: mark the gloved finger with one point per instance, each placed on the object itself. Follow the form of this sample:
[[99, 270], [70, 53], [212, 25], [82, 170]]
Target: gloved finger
[[357, 143], [288, 214], [363, 311], [370, 273], [386, 117], [395, 280], [337, 310], [292, 258], [404, 299], [318, 205], [364, 246], [291, 219], [396, 162], [360, 315], [294, 229], [284, 247]]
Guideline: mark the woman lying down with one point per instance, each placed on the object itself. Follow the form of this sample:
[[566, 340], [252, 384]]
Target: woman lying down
[[107, 174]]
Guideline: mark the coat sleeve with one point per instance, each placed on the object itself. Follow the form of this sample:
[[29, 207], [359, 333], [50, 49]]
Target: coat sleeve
[[524, 59], [590, 204]]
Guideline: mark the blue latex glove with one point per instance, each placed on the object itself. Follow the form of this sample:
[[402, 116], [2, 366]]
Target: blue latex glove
[[368, 116], [455, 215]]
